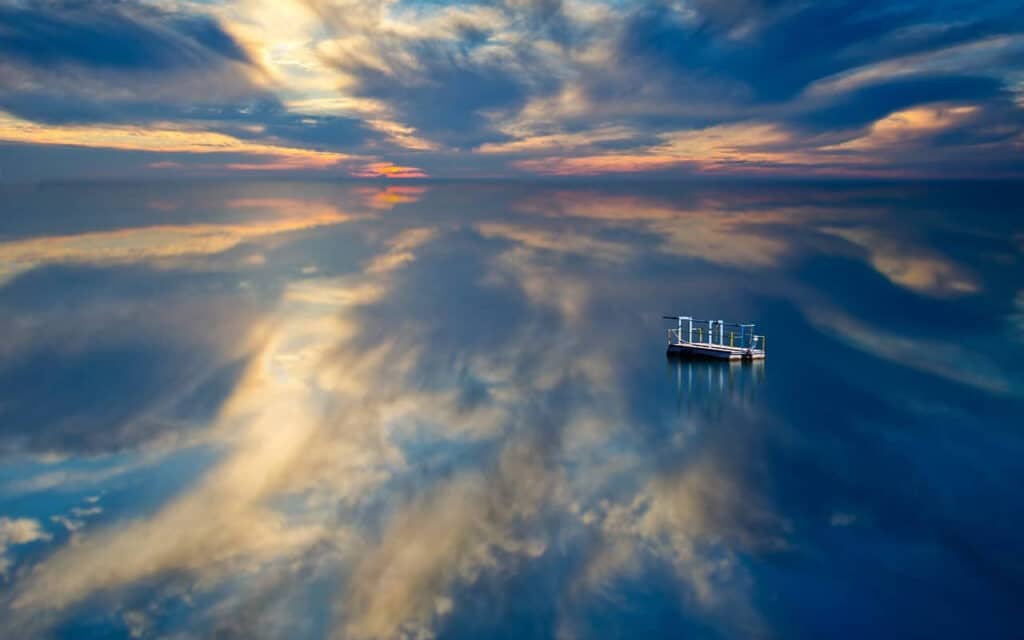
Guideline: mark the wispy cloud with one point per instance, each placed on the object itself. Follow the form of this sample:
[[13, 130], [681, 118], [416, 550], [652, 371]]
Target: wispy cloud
[[166, 139], [910, 265], [513, 88], [948, 360], [159, 242]]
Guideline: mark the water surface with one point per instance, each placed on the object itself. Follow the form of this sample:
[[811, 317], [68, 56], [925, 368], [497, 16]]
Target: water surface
[[309, 410]]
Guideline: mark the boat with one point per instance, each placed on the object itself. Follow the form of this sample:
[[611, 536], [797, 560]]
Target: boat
[[714, 339]]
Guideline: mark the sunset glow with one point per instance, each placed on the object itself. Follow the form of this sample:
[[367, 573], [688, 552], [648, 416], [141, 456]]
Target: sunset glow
[[410, 89]]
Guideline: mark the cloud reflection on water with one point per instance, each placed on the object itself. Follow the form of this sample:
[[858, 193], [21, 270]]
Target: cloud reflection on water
[[447, 401], [166, 242]]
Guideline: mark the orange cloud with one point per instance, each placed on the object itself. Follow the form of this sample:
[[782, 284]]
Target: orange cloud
[[390, 196], [908, 265], [558, 141], [902, 127], [548, 240], [164, 138], [706, 231], [162, 242], [719, 148], [598, 164], [388, 170]]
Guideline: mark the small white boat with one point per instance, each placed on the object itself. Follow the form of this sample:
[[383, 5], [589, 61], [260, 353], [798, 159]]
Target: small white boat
[[715, 339]]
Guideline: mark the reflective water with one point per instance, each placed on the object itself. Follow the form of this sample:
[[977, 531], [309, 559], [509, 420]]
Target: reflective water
[[305, 410]]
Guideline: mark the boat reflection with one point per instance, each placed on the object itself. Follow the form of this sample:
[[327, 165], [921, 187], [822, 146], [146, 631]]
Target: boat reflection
[[710, 386]]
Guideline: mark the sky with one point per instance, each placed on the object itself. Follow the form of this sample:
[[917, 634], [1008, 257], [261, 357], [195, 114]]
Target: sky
[[511, 88]]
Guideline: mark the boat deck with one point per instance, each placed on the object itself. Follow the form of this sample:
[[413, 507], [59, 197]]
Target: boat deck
[[714, 339], [714, 351]]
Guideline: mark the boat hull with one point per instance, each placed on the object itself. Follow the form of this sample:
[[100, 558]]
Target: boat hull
[[712, 352]]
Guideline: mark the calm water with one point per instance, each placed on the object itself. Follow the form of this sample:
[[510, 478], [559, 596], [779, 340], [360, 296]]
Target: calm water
[[288, 410]]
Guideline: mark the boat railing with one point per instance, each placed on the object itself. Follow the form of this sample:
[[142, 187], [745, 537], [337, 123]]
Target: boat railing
[[718, 333]]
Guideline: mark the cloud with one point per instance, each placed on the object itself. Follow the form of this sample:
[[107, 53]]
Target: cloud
[[226, 521], [948, 360], [540, 87], [20, 531], [465, 528], [113, 61], [863, 106], [424, 463], [390, 196], [691, 74], [724, 147], [679, 517], [900, 128], [74, 520], [707, 232], [164, 242], [401, 250], [115, 35], [986, 53], [354, 395], [167, 139], [909, 265], [774, 50], [49, 480], [388, 170], [438, 71], [556, 241], [160, 78], [16, 531], [169, 379], [397, 467]]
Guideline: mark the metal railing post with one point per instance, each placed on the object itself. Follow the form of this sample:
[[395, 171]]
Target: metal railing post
[[747, 336]]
